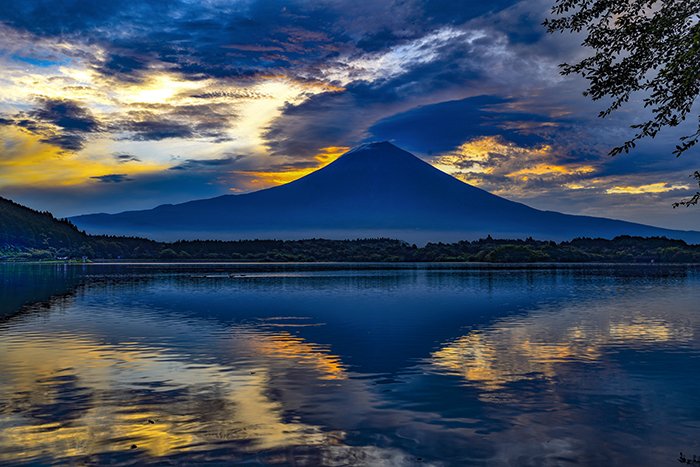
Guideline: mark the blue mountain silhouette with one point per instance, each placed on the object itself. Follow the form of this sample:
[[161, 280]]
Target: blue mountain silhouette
[[376, 189]]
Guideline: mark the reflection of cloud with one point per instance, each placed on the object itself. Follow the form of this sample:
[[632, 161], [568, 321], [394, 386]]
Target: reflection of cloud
[[230, 404], [538, 345], [286, 346]]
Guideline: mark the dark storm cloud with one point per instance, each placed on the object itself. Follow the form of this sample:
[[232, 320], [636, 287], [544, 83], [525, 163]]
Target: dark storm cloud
[[236, 94], [219, 39], [109, 24], [152, 127], [66, 114], [469, 64], [157, 122], [243, 40], [343, 118], [124, 158], [194, 165], [112, 178], [234, 39], [424, 108], [67, 141], [123, 67], [318, 122], [451, 12], [61, 122], [59, 17]]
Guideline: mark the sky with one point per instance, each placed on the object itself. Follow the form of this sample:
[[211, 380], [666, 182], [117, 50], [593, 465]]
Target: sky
[[122, 105]]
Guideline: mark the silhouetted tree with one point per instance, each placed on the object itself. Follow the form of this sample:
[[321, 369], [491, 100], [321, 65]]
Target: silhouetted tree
[[650, 47]]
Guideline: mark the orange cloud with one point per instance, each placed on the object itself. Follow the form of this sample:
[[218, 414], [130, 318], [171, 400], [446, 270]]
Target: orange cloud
[[286, 174]]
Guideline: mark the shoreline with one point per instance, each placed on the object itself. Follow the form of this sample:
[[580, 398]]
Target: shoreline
[[390, 264]]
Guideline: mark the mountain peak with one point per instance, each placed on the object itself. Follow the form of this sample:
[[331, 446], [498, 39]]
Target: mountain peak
[[373, 146], [378, 154]]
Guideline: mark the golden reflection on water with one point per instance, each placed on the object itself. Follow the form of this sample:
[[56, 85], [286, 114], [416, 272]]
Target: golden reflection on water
[[535, 346], [148, 397], [286, 346]]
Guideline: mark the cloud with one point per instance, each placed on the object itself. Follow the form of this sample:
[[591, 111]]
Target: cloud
[[149, 126], [27, 160], [451, 62], [231, 94], [397, 60], [157, 122], [60, 122], [207, 164], [511, 170], [124, 85], [65, 114], [124, 158], [461, 120], [661, 187], [124, 68], [112, 178], [239, 39]]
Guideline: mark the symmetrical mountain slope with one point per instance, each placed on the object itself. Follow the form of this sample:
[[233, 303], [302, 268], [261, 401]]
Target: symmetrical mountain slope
[[373, 190]]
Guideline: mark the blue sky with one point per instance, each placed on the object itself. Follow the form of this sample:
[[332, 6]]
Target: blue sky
[[110, 106]]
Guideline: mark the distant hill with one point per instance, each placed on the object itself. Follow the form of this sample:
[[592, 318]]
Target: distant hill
[[29, 234], [24, 229], [375, 190]]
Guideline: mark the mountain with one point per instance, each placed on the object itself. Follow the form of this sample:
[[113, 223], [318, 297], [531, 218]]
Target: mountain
[[374, 190]]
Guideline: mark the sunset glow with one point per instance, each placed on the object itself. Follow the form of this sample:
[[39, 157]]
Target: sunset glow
[[139, 102]]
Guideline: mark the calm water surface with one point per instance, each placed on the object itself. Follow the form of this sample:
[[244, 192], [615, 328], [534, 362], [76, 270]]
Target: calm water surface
[[348, 365]]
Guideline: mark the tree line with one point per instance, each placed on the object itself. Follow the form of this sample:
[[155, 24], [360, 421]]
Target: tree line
[[26, 234]]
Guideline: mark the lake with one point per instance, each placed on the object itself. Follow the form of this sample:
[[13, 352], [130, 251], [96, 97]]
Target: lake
[[355, 364]]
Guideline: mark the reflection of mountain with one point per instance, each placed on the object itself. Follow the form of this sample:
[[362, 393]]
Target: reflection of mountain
[[91, 385], [375, 190], [195, 370]]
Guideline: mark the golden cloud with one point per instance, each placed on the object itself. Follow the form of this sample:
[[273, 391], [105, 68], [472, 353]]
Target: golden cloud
[[27, 161], [661, 187], [506, 168], [552, 169]]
